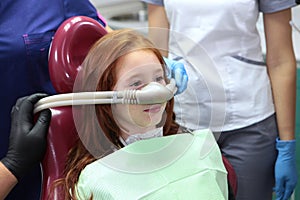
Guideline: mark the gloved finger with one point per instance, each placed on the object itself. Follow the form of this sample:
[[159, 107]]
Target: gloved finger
[[181, 77], [34, 98], [26, 107], [42, 124], [15, 109], [183, 85], [279, 189], [287, 194], [290, 186], [279, 196], [169, 72], [169, 67], [15, 112], [22, 112], [178, 76]]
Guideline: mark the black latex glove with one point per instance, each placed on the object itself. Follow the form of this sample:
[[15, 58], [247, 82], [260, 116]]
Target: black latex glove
[[27, 141]]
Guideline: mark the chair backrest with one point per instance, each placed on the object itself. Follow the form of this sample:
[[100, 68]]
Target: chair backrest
[[231, 177], [70, 45]]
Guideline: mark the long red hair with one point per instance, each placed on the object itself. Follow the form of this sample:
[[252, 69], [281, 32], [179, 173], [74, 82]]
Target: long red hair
[[97, 129]]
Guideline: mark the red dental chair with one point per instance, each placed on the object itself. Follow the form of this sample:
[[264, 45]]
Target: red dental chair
[[70, 45]]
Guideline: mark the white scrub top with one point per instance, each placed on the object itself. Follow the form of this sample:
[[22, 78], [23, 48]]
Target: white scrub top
[[219, 44]]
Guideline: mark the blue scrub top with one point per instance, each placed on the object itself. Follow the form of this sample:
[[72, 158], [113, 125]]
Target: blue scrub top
[[26, 30]]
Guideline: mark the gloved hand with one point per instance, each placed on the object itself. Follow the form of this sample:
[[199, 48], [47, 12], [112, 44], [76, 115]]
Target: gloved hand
[[177, 71], [27, 142], [285, 169]]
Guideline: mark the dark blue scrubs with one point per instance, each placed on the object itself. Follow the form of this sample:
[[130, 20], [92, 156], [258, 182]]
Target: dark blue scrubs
[[26, 30]]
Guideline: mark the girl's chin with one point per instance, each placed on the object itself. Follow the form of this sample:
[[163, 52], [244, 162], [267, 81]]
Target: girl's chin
[[150, 123]]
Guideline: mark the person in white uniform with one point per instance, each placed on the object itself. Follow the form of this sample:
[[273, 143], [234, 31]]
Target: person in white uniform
[[248, 100]]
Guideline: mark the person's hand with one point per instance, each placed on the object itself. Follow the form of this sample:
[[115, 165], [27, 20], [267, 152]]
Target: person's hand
[[27, 142], [177, 71], [285, 169]]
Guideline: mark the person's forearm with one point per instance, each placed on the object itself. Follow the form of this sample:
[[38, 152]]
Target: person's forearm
[[283, 79], [7, 181], [158, 30], [282, 70]]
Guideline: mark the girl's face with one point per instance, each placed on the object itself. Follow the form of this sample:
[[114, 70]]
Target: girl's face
[[134, 71]]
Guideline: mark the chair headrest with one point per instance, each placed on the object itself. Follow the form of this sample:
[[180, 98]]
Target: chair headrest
[[70, 45]]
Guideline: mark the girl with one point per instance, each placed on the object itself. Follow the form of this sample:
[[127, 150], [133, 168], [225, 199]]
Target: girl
[[101, 166]]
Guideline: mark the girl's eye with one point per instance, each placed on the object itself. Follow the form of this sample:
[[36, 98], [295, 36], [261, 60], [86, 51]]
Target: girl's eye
[[159, 79], [136, 84]]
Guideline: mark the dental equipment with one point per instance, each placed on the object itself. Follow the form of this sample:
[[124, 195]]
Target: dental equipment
[[152, 93]]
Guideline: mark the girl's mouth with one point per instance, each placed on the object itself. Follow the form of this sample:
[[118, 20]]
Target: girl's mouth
[[153, 109]]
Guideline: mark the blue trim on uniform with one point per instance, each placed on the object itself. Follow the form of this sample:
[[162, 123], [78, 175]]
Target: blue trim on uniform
[[155, 2], [267, 6], [249, 61]]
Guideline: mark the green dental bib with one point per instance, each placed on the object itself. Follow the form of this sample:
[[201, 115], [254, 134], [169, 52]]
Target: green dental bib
[[183, 166]]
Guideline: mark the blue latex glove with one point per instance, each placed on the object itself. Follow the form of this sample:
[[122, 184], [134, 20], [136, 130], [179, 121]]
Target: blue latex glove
[[177, 71], [285, 169]]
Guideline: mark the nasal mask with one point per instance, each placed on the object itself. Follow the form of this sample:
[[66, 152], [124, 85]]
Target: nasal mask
[[153, 93]]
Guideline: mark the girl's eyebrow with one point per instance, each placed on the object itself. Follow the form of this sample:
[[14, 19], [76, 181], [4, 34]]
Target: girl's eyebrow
[[136, 73], [133, 76], [159, 70]]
